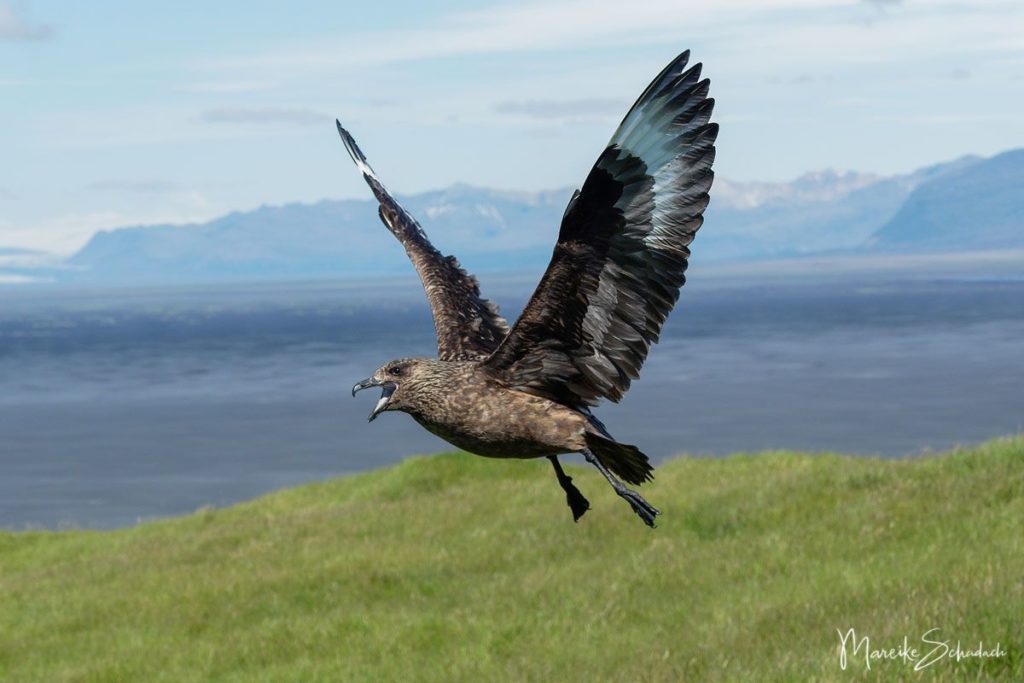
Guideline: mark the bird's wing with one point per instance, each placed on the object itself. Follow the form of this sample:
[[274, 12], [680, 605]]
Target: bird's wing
[[468, 327], [622, 250]]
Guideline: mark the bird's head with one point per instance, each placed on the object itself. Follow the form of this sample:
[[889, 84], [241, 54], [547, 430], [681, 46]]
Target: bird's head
[[398, 380]]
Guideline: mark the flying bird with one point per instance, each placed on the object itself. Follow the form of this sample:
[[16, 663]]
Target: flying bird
[[615, 274]]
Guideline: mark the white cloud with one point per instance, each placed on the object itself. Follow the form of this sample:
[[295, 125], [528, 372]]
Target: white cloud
[[7, 279], [526, 27], [133, 125], [763, 33], [135, 185], [24, 258], [285, 115], [226, 87], [66, 233], [587, 108], [13, 26], [62, 235], [836, 64], [948, 118]]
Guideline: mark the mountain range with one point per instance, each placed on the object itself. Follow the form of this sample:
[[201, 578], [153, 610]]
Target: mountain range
[[967, 204]]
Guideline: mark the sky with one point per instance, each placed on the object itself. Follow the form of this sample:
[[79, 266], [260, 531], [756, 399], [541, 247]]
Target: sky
[[117, 113]]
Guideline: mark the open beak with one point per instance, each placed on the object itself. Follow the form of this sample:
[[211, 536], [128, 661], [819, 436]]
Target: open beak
[[387, 389]]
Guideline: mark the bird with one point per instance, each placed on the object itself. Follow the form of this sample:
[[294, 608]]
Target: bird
[[527, 391]]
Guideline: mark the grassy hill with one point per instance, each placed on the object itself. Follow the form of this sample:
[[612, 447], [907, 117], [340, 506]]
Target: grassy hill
[[459, 568]]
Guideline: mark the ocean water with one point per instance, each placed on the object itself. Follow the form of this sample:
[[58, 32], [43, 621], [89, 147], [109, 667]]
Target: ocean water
[[119, 406]]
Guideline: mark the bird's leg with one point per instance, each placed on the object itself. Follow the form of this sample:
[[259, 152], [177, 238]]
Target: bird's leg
[[577, 503], [641, 507]]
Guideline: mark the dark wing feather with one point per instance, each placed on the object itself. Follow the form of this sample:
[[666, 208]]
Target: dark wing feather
[[467, 326], [622, 250]]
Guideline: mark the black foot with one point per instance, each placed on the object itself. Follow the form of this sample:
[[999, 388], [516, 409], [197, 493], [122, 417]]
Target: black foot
[[577, 503], [641, 507]]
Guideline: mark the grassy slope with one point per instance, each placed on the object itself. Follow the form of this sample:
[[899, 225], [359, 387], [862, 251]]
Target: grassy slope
[[455, 567]]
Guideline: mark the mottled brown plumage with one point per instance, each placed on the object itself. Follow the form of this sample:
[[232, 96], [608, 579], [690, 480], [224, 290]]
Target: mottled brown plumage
[[614, 277]]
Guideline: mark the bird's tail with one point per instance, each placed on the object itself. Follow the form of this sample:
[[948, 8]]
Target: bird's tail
[[628, 462]]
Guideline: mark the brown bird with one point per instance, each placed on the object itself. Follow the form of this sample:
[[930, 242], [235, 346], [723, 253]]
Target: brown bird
[[613, 278]]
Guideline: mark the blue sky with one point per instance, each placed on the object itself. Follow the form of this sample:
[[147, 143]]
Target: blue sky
[[117, 113]]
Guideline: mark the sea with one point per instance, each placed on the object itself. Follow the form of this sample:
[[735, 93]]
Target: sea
[[124, 405]]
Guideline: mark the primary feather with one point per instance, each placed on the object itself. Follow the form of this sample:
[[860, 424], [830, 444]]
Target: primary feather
[[622, 250], [468, 327]]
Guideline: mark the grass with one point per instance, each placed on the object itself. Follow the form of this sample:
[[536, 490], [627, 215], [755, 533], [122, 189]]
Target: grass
[[459, 568]]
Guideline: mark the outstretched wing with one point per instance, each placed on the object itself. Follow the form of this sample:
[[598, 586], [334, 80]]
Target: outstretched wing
[[467, 326], [622, 250]]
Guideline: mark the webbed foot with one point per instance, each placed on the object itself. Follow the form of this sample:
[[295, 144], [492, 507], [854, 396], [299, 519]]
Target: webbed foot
[[641, 507], [577, 502]]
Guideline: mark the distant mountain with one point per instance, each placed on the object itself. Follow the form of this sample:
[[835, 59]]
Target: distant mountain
[[969, 203], [818, 212], [980, 206], [490, 228], [816, 186]]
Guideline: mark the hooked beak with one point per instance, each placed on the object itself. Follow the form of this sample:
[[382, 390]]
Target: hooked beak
[[385, 394]]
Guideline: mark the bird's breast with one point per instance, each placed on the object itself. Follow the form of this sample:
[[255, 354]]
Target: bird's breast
[[497, 422]]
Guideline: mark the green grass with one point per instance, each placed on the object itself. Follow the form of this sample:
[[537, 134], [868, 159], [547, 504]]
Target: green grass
[[459, 568]]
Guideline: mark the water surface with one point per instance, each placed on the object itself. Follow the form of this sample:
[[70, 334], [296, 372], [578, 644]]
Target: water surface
[[123, 405]]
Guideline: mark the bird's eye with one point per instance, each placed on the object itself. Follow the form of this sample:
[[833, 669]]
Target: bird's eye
[[396, 371]]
